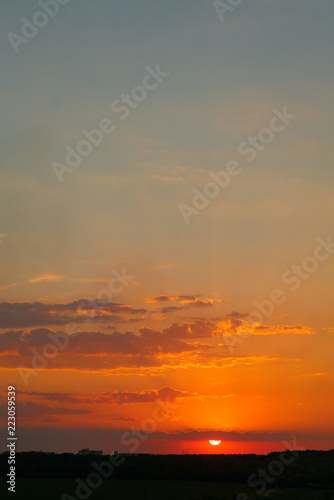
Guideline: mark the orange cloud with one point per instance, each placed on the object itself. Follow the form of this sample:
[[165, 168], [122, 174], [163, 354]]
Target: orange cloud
[[163, 298], [28, 314], [47, 277], [5, 287], [187, 301], [166, 394]]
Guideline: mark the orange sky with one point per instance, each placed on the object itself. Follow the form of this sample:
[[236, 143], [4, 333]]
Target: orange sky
[[113, 304], [215, 375]]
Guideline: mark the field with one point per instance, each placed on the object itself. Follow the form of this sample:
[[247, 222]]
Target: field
[[52, 489]]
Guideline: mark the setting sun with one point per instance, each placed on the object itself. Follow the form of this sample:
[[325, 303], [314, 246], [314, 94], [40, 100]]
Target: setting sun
[[213, 442]]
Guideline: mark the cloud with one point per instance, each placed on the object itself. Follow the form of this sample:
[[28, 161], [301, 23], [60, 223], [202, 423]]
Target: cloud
[[28, 314], [59, 397], [89, 280], [165, 394], [191, 300], [297, 329], [106, 348], [164, 298], [206, 434], [187, 301], [177, 345], [36, 411], [37, 314], [53, 438], [91, 350], [237, 323], [201, 328], [5, 287], [47, 277]]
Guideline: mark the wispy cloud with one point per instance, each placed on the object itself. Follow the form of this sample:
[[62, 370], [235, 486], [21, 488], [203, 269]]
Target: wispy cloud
[[5, 287], [47, 277], [185, 300], [114, 397]]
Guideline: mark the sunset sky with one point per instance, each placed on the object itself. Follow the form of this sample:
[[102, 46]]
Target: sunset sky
[[222, 326]]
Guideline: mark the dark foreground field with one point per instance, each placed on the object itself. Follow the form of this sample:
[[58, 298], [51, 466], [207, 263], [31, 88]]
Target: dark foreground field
[[304, 475], [52, 489]]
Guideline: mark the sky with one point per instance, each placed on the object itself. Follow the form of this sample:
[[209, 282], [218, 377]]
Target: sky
[[167, 281]]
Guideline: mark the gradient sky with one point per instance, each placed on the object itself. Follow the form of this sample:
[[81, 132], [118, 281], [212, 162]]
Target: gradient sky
[[176, 331]]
